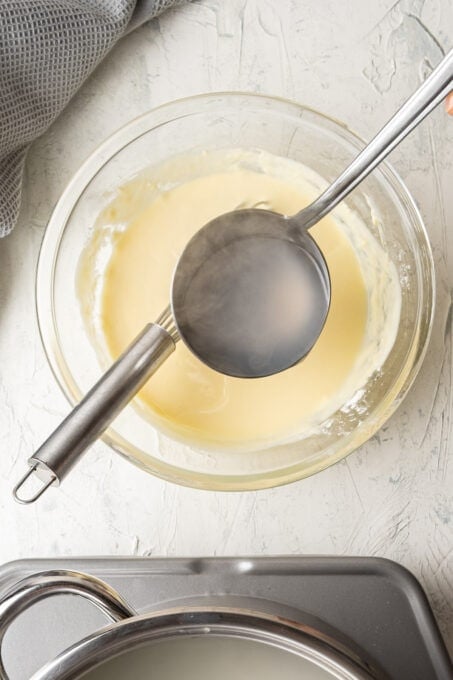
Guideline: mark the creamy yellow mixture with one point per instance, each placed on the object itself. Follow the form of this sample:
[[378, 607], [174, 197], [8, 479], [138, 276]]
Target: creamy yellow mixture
[[145, 227]]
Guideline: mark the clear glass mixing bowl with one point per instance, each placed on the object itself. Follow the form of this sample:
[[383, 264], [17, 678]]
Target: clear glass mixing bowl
[[232, 120]]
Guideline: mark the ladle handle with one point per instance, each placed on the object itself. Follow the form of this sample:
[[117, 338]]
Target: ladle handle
[[434, 89], [88, 420]]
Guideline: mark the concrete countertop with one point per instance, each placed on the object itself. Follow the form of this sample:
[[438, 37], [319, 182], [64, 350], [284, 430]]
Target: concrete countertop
[[393, 497]]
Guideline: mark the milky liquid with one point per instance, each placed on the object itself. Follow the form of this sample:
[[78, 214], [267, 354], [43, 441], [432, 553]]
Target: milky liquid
[[254, 307], [203, 658]]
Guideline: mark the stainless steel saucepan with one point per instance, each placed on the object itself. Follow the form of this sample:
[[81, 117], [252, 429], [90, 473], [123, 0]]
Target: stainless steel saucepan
[[196, 639]]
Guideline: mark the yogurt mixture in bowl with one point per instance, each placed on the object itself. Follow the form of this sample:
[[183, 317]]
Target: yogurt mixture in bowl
[[124, 280]]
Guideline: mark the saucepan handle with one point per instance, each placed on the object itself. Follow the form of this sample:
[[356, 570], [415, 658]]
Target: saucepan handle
[[62, 582]]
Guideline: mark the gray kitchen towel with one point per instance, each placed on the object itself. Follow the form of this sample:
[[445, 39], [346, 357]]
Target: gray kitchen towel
[[47, 49]]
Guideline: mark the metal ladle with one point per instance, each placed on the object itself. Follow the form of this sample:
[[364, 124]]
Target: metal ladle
[[231, 297]]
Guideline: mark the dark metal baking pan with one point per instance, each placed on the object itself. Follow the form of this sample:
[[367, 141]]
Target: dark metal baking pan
[[374, 602]]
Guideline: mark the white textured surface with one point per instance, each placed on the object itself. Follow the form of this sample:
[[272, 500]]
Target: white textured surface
[[392, 498]]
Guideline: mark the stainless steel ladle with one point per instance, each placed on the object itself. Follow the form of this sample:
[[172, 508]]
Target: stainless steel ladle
[[249, 297]]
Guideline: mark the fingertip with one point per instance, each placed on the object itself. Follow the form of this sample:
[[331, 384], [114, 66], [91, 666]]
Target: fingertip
[[449, 104]]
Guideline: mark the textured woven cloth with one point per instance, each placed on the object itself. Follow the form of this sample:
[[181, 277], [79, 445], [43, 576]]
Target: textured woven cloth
[[47, 49]]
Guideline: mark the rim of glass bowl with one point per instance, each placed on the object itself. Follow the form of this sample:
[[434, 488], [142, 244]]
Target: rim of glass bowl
[[172, 111]]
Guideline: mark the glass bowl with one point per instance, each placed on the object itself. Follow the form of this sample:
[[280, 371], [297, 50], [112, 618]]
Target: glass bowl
[[283, 128]]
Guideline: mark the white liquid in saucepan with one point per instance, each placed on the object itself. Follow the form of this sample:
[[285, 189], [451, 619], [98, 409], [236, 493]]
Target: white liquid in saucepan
[[200, 658]]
